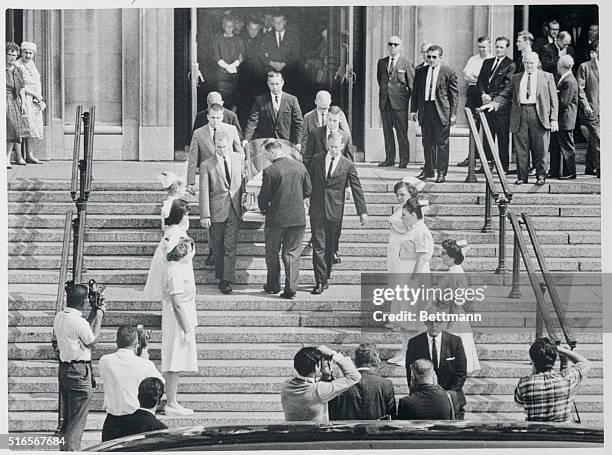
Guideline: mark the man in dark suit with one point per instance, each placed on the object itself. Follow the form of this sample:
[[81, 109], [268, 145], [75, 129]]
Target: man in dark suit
[[552, 31], [395, 75], [533, 116], [281, 50], [253, 72], [372, 398], [562, 142], [423, 51], [427, 400], [494, 81], [434, 104], [331, 174], [318, 117], [275, 115], [583, 53], [446, 352], [229, 117], [143, 419], [317, 140], [588, 100], [221, 190], [285, 185], [551, 52]]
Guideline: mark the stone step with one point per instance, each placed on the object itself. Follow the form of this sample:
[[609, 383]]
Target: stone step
[[258, 249], [348, 236], [284, 368], [542, 223], [264, 385], [285, 351], [271, 402], [46, 421]]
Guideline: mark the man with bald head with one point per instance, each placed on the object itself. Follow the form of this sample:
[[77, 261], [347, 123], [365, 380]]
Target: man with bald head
[[551, 52], [318, 117], [229, 117], [533, 116], [395, 75]]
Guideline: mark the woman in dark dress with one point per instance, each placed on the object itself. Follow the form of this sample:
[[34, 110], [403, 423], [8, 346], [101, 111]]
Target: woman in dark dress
[[228, 53], [15, 93]]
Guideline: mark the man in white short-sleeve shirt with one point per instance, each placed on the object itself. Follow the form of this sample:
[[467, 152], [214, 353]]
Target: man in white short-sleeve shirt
[[75, 338], [122, 373]]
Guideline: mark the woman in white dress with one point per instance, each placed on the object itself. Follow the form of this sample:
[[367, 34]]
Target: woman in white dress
[[33, 103], [179, 319], [175, 189], [415, 253], [452, 258]]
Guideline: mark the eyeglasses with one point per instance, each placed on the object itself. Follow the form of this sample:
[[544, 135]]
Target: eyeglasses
[[432, 57], [394, 44]]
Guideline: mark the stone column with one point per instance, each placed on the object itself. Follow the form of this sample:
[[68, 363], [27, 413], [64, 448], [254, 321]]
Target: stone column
[[156, 131], [501, 23]]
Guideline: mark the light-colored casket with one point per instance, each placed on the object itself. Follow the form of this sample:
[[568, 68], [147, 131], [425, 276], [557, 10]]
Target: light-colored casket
[[256, 162]]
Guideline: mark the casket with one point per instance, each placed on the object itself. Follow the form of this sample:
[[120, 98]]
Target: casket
[[256, 162]]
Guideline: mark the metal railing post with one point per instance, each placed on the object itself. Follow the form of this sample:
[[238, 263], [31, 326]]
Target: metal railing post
[[488, 222], [503, 209], [471, 176], [515, 291]]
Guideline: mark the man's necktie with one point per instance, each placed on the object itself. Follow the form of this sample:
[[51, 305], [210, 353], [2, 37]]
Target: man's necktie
[[323, 119], [227, 173], [214, 134], [391, 63], [495, 65], [278, 38], [431, 86], [329, 171], [434, 354], [528, 86]]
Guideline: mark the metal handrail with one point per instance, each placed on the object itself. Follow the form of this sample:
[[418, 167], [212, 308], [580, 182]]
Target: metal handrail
[[495, 152], [75, 153]]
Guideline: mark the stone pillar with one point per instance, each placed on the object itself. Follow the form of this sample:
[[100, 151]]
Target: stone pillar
[[44, 27], [156, 132], [131, 83], [501, 23]]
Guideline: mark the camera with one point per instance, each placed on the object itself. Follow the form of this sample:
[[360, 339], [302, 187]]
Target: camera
[[95, 295], [144, 336]]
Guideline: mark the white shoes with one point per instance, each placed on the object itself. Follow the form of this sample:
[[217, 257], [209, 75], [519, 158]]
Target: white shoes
[[177, 411]]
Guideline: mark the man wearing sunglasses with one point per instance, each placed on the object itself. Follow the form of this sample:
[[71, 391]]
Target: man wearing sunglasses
[[395, 75], [434, 104]]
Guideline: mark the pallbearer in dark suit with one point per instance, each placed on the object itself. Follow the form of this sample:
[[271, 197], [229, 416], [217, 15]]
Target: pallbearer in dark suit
[[143, 419], [221, 190], [446, 352], [533, 116], [588, 99], [317, 140], [318, 117], [562, 142], [494, 83], [285, 185], [229, 117], [395, 75], [434, 104], [331, 174], [275, 115], [552, 52]]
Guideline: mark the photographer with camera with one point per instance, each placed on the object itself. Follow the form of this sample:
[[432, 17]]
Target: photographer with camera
[[122, 373], [305, 396], [75, 338]]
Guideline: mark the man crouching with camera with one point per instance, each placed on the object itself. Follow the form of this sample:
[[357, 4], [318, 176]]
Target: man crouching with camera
[[75, 338]]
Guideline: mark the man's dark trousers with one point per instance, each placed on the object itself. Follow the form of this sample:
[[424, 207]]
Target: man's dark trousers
[[531, 136], [324, 244], [291, 238], [224, 241], [562, 144], [435, 138], [500, 130], [75, 383], [399, 120]]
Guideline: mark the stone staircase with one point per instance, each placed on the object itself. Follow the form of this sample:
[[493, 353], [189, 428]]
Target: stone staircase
[[247, 341]]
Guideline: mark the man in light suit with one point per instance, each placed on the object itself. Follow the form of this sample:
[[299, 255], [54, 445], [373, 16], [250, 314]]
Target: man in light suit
[[588, 100], [562, 142], [221, 190], [331, 174], [495, 82], [533, 116], [275, 115], [318, 117], [434, 104], [285, 185], [395, 75], [229, 117], [551, 52], [446, 353]]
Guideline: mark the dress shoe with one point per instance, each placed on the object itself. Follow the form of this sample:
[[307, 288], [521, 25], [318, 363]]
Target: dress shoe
[[225, 287], [337, 259], [464, 163], [590, 172], [307, 250], [511, 172], [269, 290], [288, 294], [551, 176], [532, 171], [441, 178], [423, 175], [541, 181], [385, 164], [568, 177], [520, 182], [319, 288], [32, 160], [402, 166], [210, 260]]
